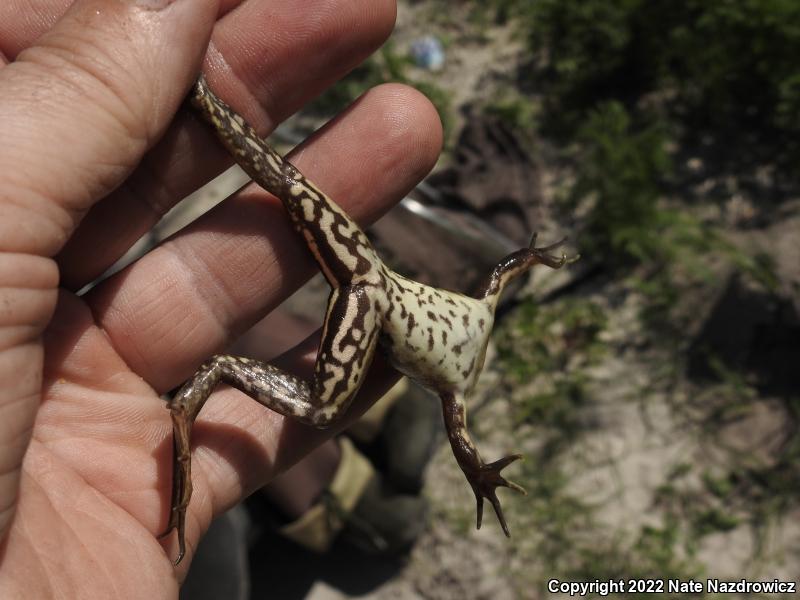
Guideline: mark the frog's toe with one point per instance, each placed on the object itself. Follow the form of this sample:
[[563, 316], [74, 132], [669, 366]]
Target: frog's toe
[[485, 482], [542, 254]]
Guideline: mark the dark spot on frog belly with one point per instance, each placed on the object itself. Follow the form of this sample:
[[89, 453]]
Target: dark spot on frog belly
[[468, 370], [390, 311], [411, 323]]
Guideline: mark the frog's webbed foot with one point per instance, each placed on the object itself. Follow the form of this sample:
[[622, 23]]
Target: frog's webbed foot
[[543, 254], [484, 478], [485, 481], [520, 262]]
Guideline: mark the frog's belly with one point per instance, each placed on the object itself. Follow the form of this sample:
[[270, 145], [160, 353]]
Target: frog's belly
[[450, 362]]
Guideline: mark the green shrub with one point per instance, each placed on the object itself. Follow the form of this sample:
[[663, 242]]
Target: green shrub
[[619, 171], [726, 67]]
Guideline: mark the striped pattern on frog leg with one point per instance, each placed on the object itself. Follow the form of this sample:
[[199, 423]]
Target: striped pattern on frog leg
[[349, 337], [341, 248]]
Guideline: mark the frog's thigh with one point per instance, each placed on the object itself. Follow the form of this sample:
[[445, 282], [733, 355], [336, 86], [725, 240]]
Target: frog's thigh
[[349, 339]]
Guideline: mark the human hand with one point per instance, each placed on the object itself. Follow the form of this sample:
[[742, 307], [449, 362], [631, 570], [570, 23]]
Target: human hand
[[91, 158]]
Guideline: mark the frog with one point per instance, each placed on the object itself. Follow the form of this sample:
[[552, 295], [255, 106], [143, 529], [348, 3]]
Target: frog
[[436, 337]]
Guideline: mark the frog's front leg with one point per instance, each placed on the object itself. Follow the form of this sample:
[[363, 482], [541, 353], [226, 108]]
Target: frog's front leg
[[349, 337], [484, 478]]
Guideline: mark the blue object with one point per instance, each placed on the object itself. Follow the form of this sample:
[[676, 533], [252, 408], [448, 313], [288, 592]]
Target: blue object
[[428, 53]]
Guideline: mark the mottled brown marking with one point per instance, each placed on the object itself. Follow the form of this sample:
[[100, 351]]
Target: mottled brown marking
[[468, 370], [389, 311], [411, 323]]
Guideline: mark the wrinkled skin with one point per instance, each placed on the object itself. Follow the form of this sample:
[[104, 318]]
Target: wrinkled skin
[[93, 153]]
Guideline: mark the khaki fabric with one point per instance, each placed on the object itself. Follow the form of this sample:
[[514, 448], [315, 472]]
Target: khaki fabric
[[318, 527]]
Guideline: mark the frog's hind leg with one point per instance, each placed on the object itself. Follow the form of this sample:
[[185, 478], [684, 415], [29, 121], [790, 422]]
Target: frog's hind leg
[[484, 478], [338, 244], [349, 338]]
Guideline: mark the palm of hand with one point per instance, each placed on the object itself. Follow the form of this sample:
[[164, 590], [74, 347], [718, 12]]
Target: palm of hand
[[93, 488]]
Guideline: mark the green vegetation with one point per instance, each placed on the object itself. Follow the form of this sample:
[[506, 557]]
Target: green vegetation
[[539, 344], [661, 112], [760, 488], [541, 338], [620, 173], [550, 347], [565, 540], [633, 88], [514, 110], [725, 66]]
